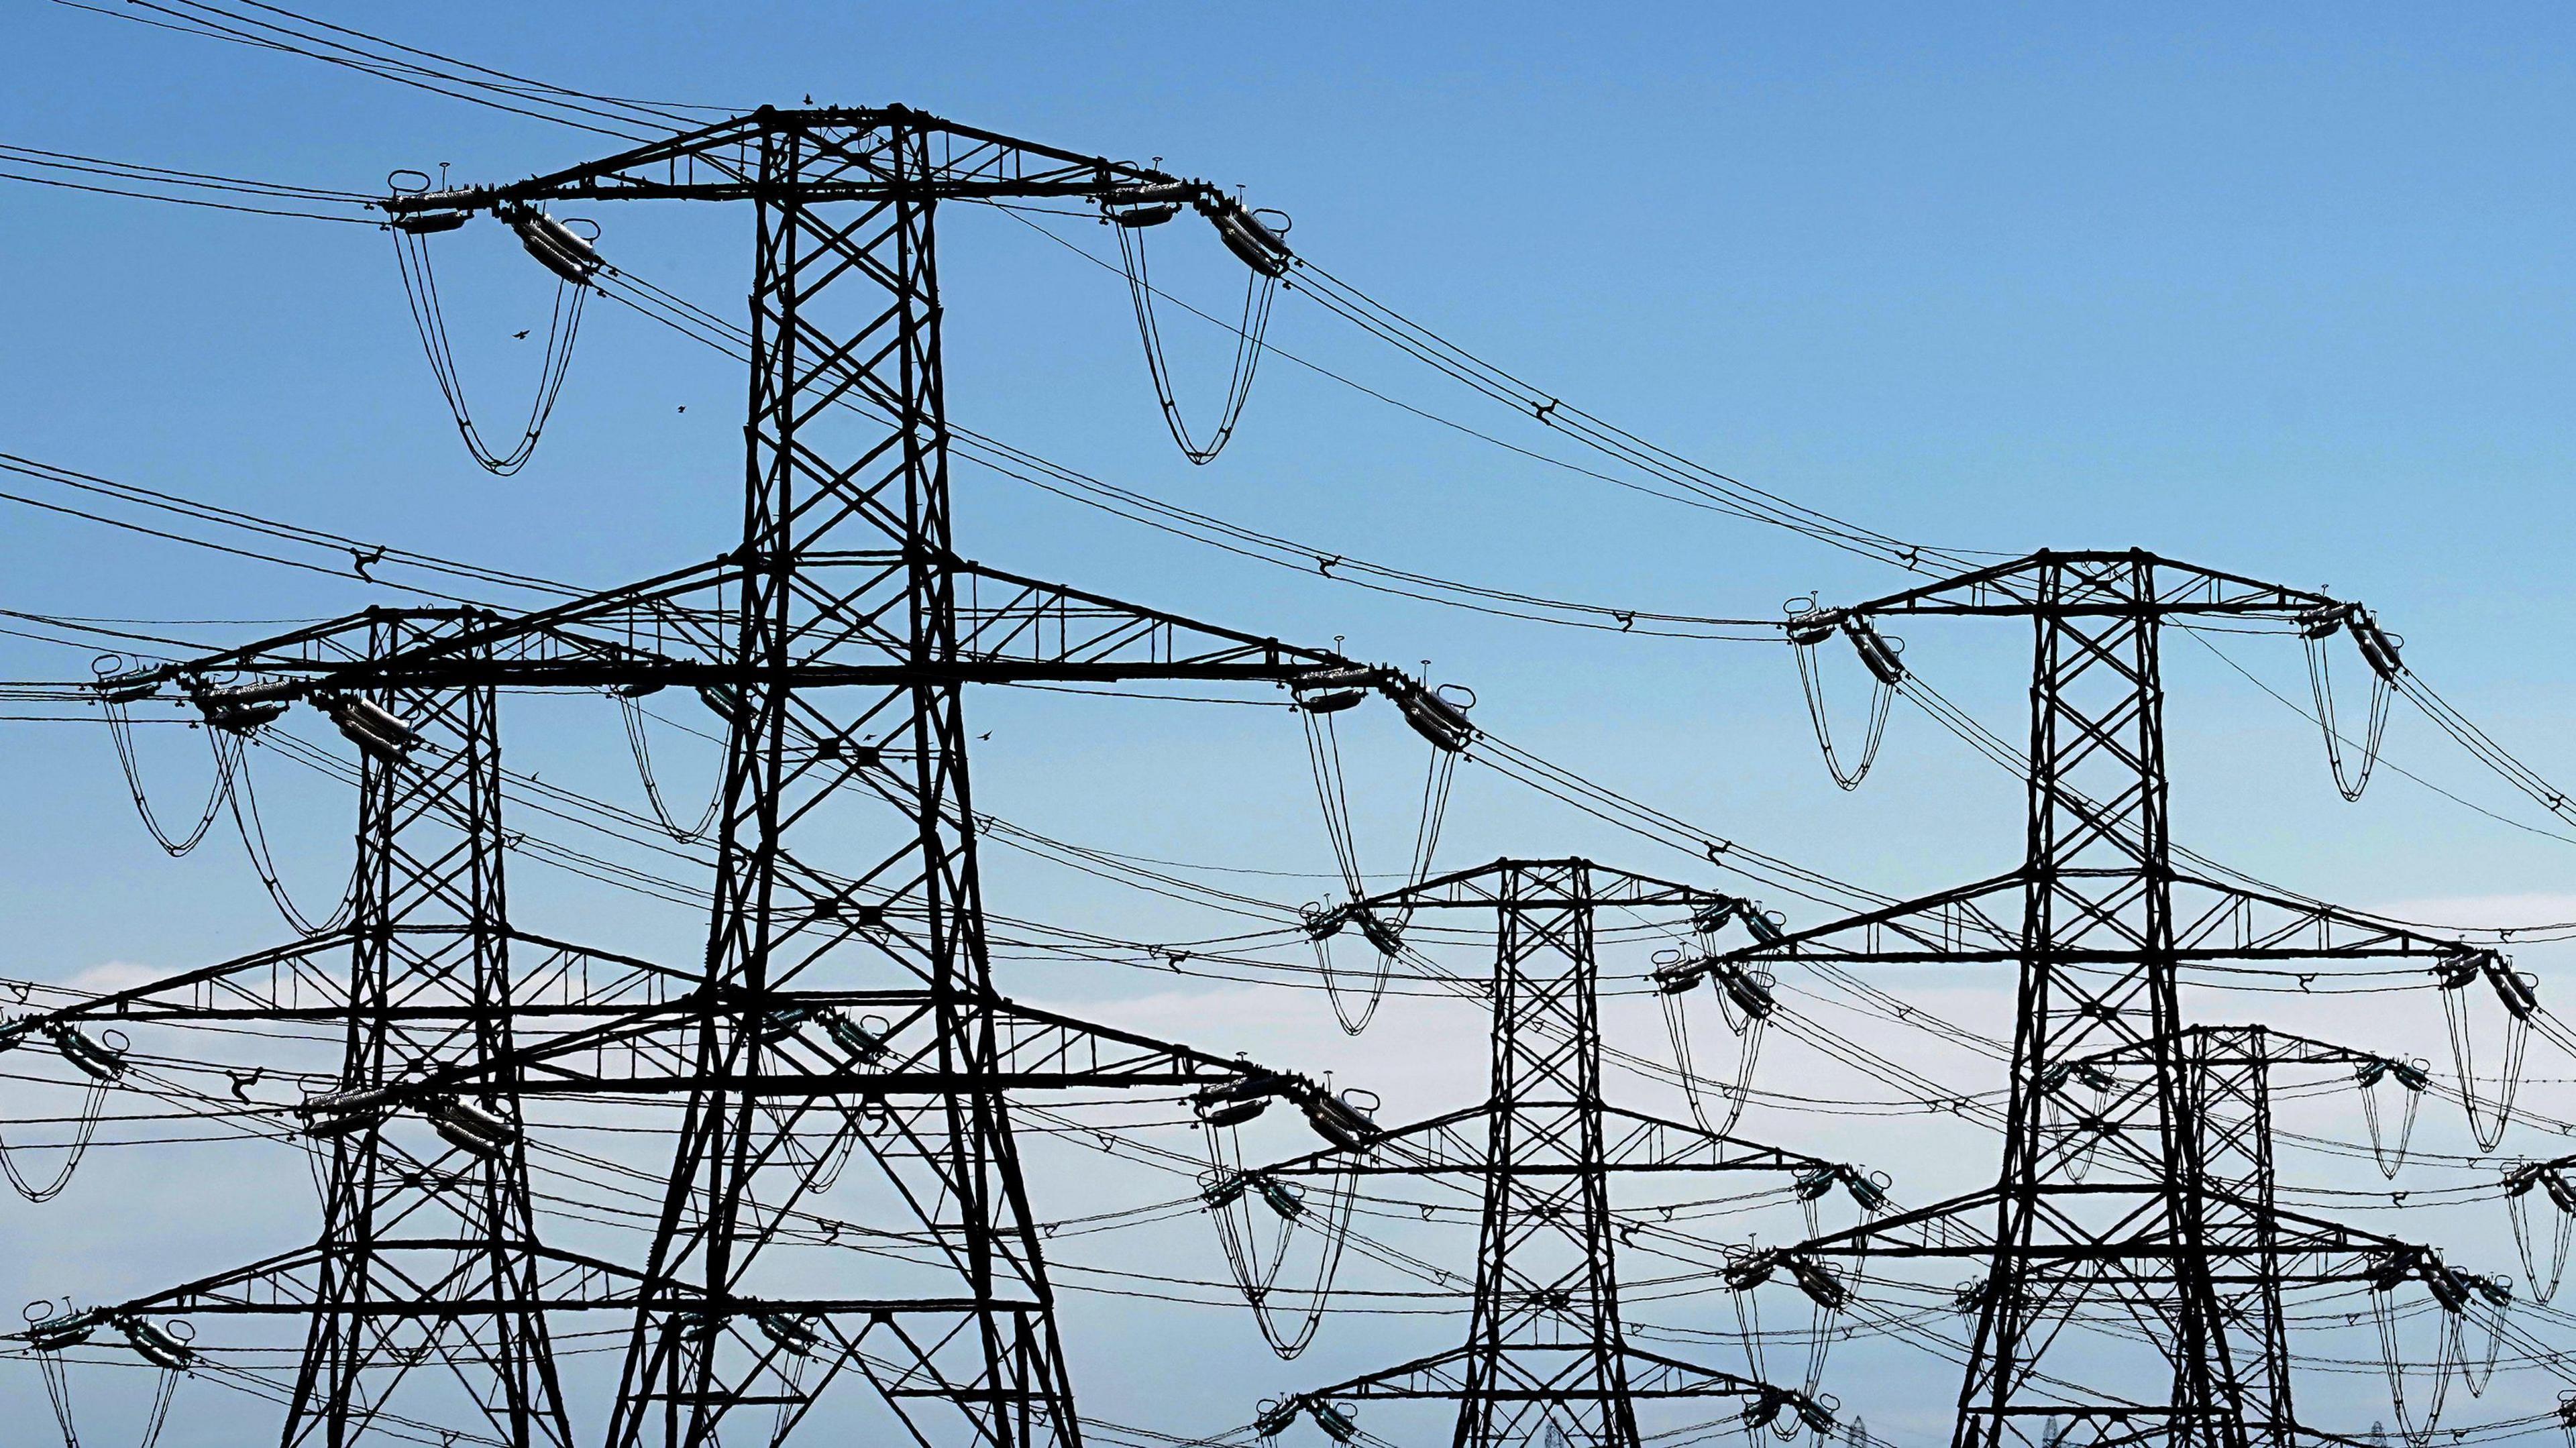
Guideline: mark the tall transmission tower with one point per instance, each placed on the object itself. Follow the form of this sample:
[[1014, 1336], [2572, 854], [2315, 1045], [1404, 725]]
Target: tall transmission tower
[[427, 1252], [431, 988], [429, 978], [835, 640], [1545, 1345], [2099, 918], [2227, 1074]]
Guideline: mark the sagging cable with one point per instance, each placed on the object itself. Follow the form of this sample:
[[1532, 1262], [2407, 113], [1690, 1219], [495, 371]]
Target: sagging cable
[[2412, 1080], [1441, 774], [1747, 1024], [1440, 716], [1130, 214], [1324, 758], [116, 694], [631, 709], [1827, 1295], [1233, 1194], [102, 1062], [1745, 1003], [821, 1167], [2521, 1001], [1320, 928], [2491, 1304], [2385, 1274], [167, 1346], [48, 1333], [2551, 1178], [2380, 649], [559, 246], [1810, 626], [244, 801], [2317, 629], [1322, 924]]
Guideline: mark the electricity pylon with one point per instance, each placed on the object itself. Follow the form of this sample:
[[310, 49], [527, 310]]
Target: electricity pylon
[[2099, 918], [835, 640], [431, 987], [1545, 1343], [2227, 1079], [428, 1250]]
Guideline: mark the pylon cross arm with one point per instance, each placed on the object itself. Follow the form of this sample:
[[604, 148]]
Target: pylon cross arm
[[1443, 1375], [2057, 583], [858, 1044], [284, 983], [667, 632], [852, 157]]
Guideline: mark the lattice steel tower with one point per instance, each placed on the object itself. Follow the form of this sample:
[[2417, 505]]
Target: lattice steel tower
[[2098, 918], [430, 988], [834, 640], [1545, 1343], [427, 1253]]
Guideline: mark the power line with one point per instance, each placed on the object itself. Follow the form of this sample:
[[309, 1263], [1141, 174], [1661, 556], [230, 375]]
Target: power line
[[745, 1164]]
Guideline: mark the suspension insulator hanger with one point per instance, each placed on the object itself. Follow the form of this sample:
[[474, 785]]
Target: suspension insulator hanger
[[1339, 1120], [428, 223], [554, 244], [382, 734], [1332, 690], [1277, 1416], [1260, 245], [161, 1346], [1138, 207], [1878, 653], [242, 709], [1438, 715], [2379, 648], [420, 223]]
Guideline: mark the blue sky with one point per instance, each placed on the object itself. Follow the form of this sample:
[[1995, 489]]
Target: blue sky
[[2283, 292]]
